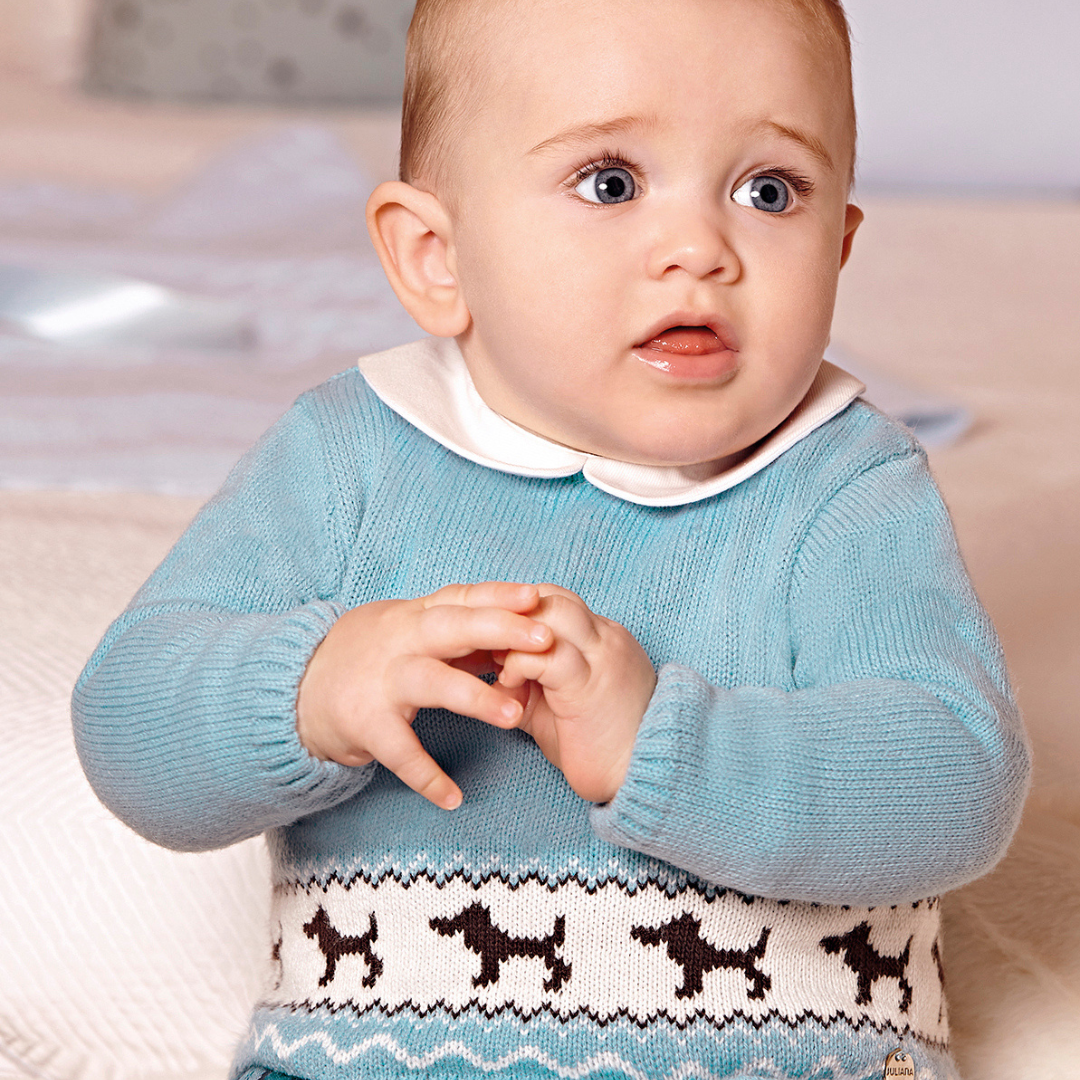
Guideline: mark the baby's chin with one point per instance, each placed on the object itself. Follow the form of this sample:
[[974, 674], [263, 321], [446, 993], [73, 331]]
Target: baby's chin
[[702, 470], [657, 439], [701, 460]]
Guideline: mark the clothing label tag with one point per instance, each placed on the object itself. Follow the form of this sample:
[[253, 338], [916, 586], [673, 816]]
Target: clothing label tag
[[899, 1065]]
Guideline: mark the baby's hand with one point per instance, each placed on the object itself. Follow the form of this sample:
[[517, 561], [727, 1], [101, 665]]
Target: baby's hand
[[585, 696], [382, 662]]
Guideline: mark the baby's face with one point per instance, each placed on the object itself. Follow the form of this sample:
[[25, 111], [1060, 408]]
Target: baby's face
[[652, 216]]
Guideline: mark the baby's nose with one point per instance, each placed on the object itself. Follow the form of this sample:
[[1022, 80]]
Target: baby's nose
[[694, 242]]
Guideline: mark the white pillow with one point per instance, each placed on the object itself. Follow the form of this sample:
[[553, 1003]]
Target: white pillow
[[118, 960]]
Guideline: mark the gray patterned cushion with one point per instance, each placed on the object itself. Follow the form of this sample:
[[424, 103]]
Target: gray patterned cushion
[[289, 51]]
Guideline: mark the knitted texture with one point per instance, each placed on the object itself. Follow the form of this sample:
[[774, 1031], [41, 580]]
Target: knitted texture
[[831, 744]]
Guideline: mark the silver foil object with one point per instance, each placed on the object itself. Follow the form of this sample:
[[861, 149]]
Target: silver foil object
[[87, 308]]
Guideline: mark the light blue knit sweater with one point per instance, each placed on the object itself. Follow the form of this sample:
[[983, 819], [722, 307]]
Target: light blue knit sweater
[[832, 742]]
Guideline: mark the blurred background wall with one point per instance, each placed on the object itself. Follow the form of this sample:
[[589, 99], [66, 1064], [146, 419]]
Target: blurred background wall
[[43, 39], [966, 95]]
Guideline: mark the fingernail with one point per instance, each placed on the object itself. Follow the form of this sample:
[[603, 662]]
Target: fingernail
[[511, 710], [452, 802], [538, 634]]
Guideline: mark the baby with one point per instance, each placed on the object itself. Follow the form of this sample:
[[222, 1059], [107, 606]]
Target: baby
[[614, 568]]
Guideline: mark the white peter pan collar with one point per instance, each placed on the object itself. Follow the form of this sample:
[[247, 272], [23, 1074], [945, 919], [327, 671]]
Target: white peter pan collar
[[427, 383]]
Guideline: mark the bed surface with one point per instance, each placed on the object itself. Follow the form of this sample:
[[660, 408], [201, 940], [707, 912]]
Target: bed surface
[[974, 300]]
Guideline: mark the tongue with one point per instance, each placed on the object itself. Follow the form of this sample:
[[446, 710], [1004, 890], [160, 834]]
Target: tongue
[[690, 340]]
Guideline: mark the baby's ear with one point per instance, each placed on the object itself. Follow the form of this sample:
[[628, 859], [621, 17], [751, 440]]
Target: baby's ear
[[853, 217], [412, 233]]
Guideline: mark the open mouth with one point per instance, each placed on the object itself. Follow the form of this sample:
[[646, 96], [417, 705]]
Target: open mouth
[[686, 341], [694, 352]]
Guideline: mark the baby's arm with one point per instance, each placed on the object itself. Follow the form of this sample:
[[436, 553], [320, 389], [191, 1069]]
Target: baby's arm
[[894, 768], [186, 715]]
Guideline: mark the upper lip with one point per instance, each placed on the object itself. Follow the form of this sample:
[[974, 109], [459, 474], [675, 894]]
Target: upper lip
[[719, 326]]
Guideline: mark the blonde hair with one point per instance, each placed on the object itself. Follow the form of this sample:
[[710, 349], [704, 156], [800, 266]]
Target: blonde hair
[[444, 65]]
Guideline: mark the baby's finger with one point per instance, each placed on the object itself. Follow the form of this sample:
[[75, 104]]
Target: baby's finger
[[514, 596], [569, 618], [546, 588], [398, 748], [449, 631], [563, 667], [431, 684]]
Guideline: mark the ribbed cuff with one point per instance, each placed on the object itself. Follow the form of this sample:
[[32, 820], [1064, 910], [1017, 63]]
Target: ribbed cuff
[[192, 739], [272, 679], [662, 761]]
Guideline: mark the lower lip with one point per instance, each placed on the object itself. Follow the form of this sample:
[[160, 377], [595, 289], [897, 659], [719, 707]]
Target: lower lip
[[690, 366]]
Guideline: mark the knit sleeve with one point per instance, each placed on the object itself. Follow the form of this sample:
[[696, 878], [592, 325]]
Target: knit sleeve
[[185, 717], [894, 766]]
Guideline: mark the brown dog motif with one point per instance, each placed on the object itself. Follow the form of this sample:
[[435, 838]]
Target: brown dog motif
[[696, 956], [935, 955], [333, 945], [494, 945], [868, 964]]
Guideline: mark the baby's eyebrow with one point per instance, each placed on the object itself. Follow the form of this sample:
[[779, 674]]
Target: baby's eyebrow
[[814, 146], [587, 134], [582, 135]]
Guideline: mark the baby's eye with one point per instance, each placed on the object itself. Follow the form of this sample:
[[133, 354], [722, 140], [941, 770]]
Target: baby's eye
[[607, 186], [764, 193]]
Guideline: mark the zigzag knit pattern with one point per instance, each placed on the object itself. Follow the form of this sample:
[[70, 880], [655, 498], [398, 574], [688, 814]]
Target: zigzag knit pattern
[[832, 742]]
